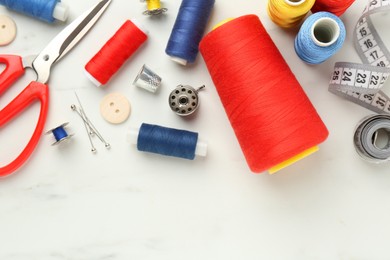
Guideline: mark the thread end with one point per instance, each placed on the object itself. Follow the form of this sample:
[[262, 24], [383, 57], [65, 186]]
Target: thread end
[[93, 79], [325, 32], [294, 2], [179, 60], [61, 12]]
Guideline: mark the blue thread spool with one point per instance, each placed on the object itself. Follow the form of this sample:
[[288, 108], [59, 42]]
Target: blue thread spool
[[45, 10], [190, 24], [60, 134], [320, 37], [168, 141]]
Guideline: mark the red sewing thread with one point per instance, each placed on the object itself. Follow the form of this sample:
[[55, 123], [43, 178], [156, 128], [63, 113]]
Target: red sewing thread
[[115, 52], [271, 115], [336, 7]]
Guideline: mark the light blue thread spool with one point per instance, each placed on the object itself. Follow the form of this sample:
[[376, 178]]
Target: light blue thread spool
[[167, 141], [60, 134], [320, 37], [45, 10], [187, 32]]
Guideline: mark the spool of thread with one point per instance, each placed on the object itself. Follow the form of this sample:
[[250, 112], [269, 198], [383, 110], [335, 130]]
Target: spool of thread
[[288, 13], [273, 119], [372, 138], [335, 7], [60, 134], [45, 10], [321, 36], [154, 7], [190, 24], [115, 52], [168, 141]]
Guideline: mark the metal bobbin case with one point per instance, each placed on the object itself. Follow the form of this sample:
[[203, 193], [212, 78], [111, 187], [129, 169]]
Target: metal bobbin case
[[154, 10], [184, 100], [372, 138], [60, 134]]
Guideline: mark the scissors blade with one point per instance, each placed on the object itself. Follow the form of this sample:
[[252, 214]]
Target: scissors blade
[[66, 40]]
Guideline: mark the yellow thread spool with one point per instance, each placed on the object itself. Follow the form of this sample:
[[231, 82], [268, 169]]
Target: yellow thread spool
[[154, 7], [153, 4], [288, 13], [297, 157]]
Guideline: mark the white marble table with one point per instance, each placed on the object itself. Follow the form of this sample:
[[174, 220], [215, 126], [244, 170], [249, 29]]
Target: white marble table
[[121, 204]]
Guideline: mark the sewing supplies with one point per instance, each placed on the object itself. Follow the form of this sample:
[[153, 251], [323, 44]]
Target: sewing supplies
[[114, 53], [184, 100], [89, 126], [48, 10], [115, 108], [7, 30], [60, 134], [38, 90], [372, 138], [335, 7], [188, 30], [153, 7], [167, 141], [320, 37], [147, 79], [273, 119], [288, 13], [362, 83]]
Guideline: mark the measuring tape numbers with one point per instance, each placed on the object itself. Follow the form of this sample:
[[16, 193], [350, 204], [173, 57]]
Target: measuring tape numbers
[[362, 83]]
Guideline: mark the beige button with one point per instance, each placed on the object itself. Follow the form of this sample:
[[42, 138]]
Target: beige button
[[115, 108], [7, 30]]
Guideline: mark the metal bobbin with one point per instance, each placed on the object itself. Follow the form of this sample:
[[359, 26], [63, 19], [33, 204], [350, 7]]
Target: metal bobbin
[[60, 134], [155, 9], [184, 100], [372, 138]]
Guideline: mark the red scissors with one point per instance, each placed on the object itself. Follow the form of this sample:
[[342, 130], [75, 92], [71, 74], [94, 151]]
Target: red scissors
[[38, 90]]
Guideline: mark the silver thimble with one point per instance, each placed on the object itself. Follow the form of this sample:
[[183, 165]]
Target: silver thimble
[[147, 79]]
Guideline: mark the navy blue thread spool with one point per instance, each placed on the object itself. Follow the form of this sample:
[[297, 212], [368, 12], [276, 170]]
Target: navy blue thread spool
[[60, 134], [168, 141], [45, 10], [190, 24]]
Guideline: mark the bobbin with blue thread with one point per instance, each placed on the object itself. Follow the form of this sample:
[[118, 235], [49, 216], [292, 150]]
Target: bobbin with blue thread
[[320, 37], [60, 134], [167, 141], [154, 7], [48, 11], [184, 100]]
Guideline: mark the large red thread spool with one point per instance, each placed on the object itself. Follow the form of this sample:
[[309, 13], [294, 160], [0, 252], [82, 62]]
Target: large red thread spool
[[336, 7], [115, 52], [273, 119]]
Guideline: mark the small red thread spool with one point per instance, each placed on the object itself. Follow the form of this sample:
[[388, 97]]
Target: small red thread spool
[[115, 52], [336, 7], [273, 119]]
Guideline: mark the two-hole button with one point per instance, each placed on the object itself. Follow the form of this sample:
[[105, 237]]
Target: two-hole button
[[115, 108]]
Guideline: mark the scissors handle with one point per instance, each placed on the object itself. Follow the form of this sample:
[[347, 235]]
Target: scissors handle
[[35, 91], [13, 70]]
